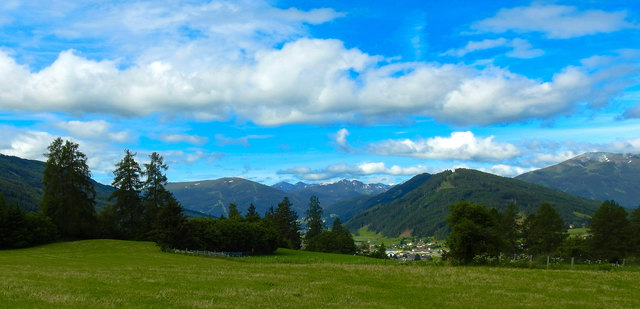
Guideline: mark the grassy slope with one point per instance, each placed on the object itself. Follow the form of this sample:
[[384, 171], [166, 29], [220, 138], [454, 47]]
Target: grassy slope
[[109, 273]]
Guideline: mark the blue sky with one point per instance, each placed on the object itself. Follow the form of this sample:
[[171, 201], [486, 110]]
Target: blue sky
[[317, 91]]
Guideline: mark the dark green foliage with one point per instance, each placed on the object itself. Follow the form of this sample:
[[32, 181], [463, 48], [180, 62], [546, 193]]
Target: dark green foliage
[[128, 207], [336, 240], [286, 220], [423, 210], [597, 175], [474, 231], [380, 253], [154, 193], [611, 232], [575, 247], [544, 231], [19, 229], [635, 231], [221, 235], [171, 229], [510, 229], [314, 222], [68, 193], [233, 212], [252, 215]]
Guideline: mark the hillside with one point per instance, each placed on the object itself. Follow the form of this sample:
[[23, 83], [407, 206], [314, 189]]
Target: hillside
[[21, 182], [213, 197], [422, 211], [596, 175], [348, 208]]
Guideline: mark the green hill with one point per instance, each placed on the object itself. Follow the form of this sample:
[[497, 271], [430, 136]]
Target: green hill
[[351, 207], [422, 211], [596, 175], [21, 183], [212, 197]]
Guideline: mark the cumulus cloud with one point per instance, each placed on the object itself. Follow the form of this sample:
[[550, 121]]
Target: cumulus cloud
[[458, 146], [96, 129], [184, 138], [341, 142], [28, 144], [349, 171], [555, 21]]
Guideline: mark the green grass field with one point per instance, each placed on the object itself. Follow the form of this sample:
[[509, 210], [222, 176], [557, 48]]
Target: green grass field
[[364, 235], [110, 273]]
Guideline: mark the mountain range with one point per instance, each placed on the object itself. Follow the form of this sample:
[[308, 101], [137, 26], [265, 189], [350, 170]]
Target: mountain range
[[417, 207], [595, 175]]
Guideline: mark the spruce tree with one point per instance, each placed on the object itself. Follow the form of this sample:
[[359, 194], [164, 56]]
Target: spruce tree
[[544, 231], [171, 226], [128, 205], [155, 195], [252, 215], [314, 223], [68, 195], [286, 220]]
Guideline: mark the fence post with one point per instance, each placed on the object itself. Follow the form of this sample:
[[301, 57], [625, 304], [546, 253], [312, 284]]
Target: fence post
[[547, 262], [571, 262]]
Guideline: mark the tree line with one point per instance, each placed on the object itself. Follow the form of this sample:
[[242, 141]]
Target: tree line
[[143, 209], [477, 232]]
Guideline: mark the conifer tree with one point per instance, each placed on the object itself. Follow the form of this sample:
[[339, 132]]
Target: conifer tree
[[68, 195], [285, 220], [611, 232], [128, 205], [171, 226], [234, 213], [155, 195], [314, 222], [252, 215], [544, 231]]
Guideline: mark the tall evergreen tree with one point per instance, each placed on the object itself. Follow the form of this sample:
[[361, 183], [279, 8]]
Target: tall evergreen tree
[[610, 231], [128, 205], [68, 195], [286, 220], [510, 229], [544, 231], [171, 226], [635, 231], [154, 195], [234, 213], [314, 222], [252, 215]]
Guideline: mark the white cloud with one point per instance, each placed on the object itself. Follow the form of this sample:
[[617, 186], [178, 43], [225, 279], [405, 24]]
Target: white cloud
[[27, 144], [350, 171], [459, 146], [626, 146], [179, 138], [96, 129], [555, 21], [507, 170], [248, 60], [341, 140], [519, 48], [222, 140]]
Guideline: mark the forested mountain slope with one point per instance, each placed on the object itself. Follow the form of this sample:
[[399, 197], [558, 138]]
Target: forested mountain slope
[[423, 210]]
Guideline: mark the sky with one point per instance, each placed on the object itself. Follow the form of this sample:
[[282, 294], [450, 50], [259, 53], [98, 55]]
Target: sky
[[318, 91]]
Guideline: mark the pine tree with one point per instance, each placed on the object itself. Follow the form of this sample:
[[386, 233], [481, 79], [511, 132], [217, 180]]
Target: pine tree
[[314, 223], [128, 205], [234, 213], [68, 195], [155, 195], [171, 226], [285, 220], [252, 215]]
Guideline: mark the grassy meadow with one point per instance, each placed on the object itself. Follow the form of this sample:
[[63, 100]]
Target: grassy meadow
[[111, 273]]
